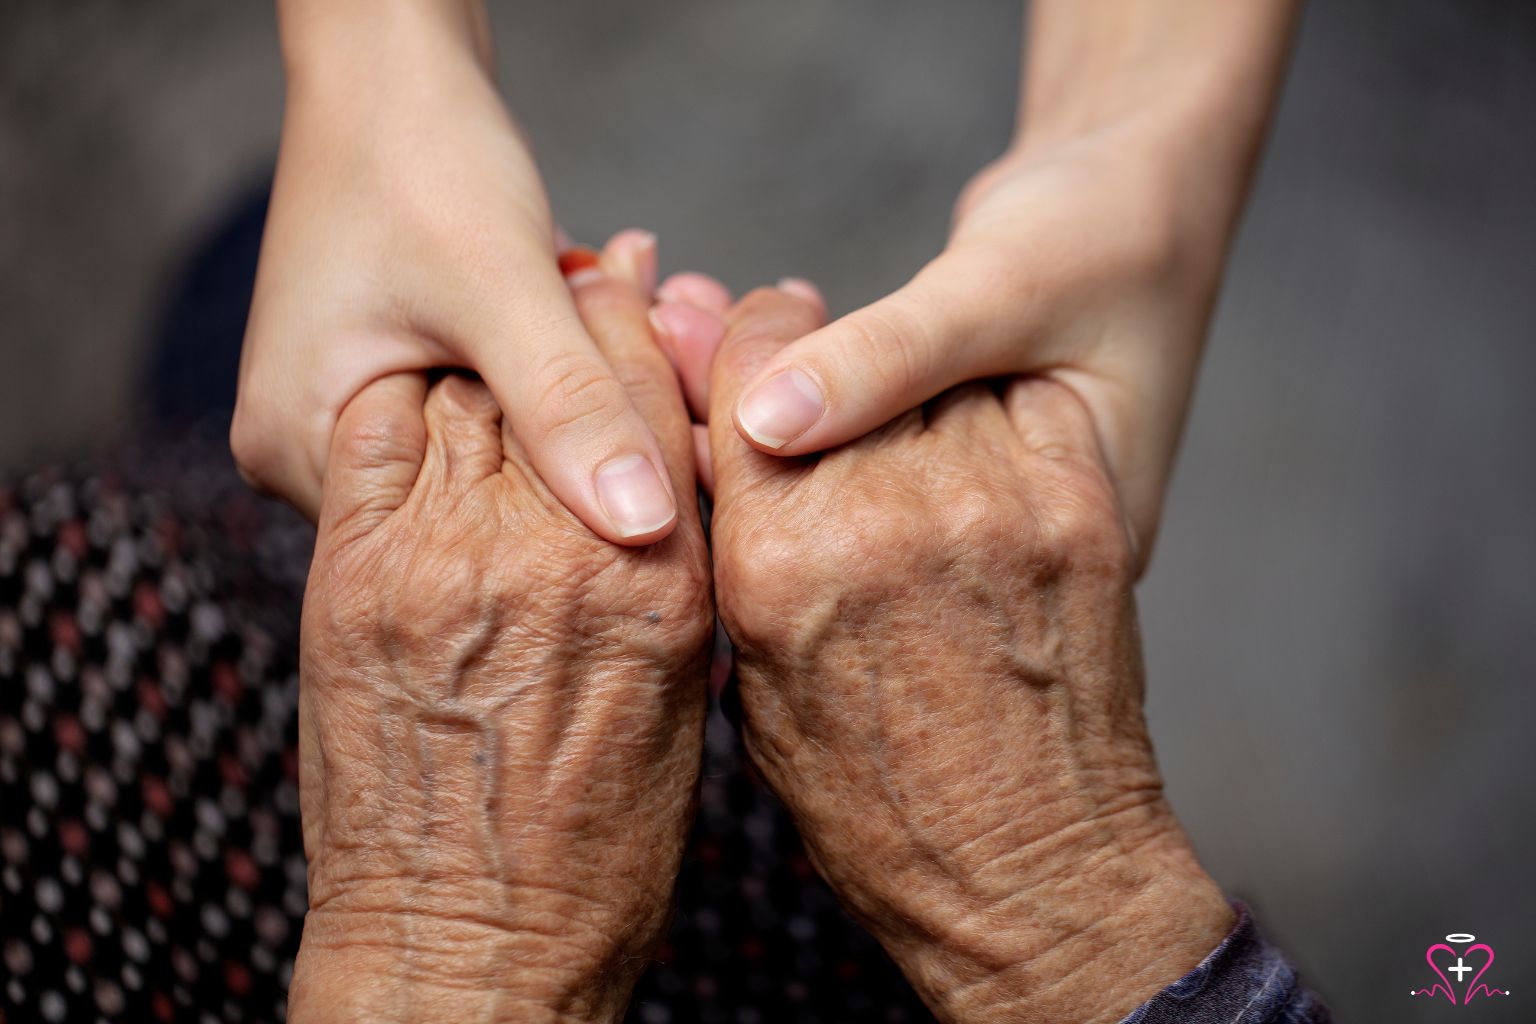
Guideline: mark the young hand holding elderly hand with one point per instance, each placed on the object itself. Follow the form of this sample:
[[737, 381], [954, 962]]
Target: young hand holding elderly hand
[[501, 713], [409, 229], [926, 579]]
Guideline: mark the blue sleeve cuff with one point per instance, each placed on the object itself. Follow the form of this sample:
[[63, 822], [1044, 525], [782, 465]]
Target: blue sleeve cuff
[[1244, 980]]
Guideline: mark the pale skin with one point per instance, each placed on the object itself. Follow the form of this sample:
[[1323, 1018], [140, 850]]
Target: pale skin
[[409, 229], [500, 714]]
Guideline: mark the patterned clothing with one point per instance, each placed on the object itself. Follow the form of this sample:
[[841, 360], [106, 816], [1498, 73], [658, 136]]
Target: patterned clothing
[[151, 862]]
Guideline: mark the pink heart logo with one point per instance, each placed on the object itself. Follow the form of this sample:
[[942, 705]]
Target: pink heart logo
[[1459, 966], [1444, 983], [1474, 987]]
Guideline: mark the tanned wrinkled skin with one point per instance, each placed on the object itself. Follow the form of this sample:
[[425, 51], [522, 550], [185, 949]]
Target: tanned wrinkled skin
[[940, 675], [501, 714]]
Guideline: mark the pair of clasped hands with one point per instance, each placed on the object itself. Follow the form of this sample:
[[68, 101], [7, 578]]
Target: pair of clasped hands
[[928, 516], [935, 643]]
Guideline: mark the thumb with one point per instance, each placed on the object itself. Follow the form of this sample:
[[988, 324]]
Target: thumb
[[376, 453], [568, 408], [850, 377], [756, 331]]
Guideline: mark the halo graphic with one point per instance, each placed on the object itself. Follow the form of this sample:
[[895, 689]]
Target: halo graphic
[[1460, 937]]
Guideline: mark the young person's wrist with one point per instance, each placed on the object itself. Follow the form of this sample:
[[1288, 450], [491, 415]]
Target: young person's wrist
[[1153, 166], [343, 44]]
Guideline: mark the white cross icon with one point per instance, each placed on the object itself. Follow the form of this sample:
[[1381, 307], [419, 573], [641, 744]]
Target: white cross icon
[[1459, 970]]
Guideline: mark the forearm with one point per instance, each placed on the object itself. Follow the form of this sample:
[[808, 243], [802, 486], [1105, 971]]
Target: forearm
[[1183, 87], [325, 37]]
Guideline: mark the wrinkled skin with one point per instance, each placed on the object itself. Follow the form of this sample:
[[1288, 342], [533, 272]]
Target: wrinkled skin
[[501, 714], [940, 676]]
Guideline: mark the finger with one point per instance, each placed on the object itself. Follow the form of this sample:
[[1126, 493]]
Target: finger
[[630, 256], [804, 289], [463, 434], [614, 313], [757, 329], [376, 452], [571, 413], [848, 378], [701, 461], [689, 336], [1053, 423], [697, 290]]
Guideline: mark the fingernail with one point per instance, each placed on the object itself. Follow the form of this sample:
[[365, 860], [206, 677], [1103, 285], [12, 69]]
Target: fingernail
[[632, 255], [633, 495], [580, 266], [781, 408], [799, 286], [645, 263]]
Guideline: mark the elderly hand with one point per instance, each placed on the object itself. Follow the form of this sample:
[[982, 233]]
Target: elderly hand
[[940, 676], [501, 714]]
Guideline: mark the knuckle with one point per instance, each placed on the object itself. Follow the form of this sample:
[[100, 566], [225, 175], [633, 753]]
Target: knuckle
[[577, 395], [1079, 531], [763, 586], [684, 592], [888, 347], [378, 438], [465, 395], [976, 518]]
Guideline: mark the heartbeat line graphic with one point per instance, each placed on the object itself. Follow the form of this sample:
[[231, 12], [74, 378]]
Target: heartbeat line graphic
[[1461, 969]]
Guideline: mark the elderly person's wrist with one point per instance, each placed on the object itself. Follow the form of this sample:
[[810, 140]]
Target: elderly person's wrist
[[1118, 915], [464, 972]]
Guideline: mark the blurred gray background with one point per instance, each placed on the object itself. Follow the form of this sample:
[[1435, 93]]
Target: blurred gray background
[[1341, 619]]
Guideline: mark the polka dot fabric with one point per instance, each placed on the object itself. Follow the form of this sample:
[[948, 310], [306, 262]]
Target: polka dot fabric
[[151, 866], [151, 862]]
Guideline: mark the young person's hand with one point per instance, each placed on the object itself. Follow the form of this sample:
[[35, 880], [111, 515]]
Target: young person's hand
[[1089, 254], [940, 675], [501, 715], [409, 229]]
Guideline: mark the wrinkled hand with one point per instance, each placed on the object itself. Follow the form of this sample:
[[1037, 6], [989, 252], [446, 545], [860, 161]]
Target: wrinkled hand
[[409, 229], [501, 714], [940, 676]]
